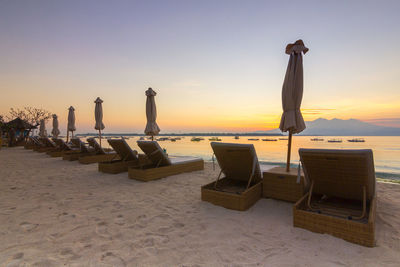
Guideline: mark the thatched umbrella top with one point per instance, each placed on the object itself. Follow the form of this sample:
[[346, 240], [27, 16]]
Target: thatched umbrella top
[[18, 124]]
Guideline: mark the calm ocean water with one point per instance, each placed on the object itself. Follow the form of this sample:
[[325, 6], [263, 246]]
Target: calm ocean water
[[386, 149]]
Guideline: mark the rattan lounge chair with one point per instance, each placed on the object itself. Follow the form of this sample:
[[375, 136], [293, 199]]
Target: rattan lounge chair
[[29, 143], [83, 150], [159, 165], [123, 158], [241, 185], [99, 154], [62, 148], [33, 143], [341, 200], [43, 144]]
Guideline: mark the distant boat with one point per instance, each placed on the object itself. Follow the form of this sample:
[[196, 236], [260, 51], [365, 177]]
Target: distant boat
[[283, 138], [334, 140], [317, 139], [196, 139], [253, 139], [356, 140], [214, 139], [237, 137], [267, 139]]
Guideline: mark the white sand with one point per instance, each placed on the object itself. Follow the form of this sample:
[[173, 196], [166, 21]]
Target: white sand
[[54, 212]]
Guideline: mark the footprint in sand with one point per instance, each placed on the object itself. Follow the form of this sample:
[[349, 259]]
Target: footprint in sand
[[102, 230], [119, 220], [65, 216], [27, 227], [69, 254], [45, 263], [16, 260], [111, 259]]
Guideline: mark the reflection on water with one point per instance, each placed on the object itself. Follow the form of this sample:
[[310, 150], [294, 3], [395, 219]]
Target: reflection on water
[[386, 148]]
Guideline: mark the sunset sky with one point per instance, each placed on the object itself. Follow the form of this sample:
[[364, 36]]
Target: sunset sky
[[215, 65]]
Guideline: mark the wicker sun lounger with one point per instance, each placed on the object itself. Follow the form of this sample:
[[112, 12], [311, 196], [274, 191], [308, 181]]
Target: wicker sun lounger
[[30, 143], [61, 149], [159, 165], [242, 185], [126, 157], [98, 154], [341, 200], [44, 144], [33, 143], [83, 150]]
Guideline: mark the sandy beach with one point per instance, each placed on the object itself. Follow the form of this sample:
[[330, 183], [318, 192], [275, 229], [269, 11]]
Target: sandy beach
[[54, 212]]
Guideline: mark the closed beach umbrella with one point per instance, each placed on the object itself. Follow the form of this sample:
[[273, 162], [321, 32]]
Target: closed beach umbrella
[[42, 129], [98, 115], [292, 94], [71, 121], [151, 114], [55, 132]]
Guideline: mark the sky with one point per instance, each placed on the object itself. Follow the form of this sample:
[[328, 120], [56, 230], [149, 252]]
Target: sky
[[217, 66]]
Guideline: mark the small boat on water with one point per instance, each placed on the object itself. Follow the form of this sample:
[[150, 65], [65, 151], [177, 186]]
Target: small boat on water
[[267, 139], [356, 140], [196, 139], [237, 137], [317, 139], [335, 140], [214, 139], [253, 139]]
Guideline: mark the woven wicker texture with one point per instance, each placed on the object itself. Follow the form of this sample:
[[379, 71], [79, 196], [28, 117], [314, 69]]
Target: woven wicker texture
[[340, 173], [237, 160]]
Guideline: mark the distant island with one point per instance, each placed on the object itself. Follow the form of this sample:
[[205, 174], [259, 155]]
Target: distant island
[[338, 127]]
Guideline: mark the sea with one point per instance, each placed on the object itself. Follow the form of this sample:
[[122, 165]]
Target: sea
[[386, 149]]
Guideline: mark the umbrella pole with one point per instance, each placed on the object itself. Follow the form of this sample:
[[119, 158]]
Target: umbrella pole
[[100, 137], [152, 138], [67, 135], [288, 153]]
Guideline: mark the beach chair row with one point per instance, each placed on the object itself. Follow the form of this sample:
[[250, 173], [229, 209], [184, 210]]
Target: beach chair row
[[335, 193]]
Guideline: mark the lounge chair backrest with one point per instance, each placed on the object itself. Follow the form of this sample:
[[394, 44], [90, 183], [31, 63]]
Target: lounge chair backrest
[[78, 143], [97, 148], [47, 142], [61, 144], [123, 150], [340, 172], [154, 153], [36, 141], [237, 161]]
